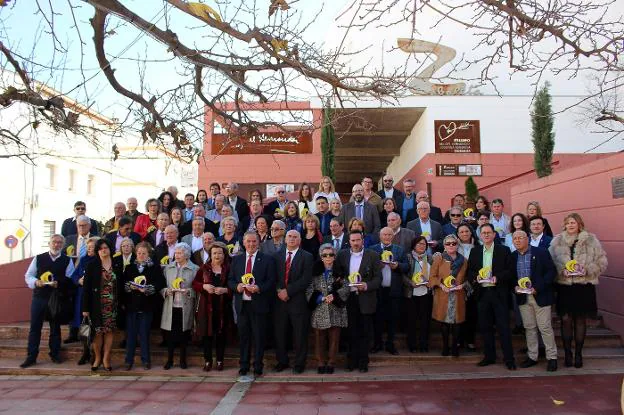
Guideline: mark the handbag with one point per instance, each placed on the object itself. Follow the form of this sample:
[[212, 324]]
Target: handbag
[[60, 307], [85, 331]]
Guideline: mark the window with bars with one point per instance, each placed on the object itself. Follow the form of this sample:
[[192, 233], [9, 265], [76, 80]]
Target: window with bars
[[49, 229]]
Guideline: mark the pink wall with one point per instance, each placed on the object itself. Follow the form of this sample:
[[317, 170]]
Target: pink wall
[[262, 168], [16, 296], [586, 189], [496, 168]]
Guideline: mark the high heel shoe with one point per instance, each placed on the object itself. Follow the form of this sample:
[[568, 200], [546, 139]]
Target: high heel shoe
[[568, 358], [94, 368], [578, 360]]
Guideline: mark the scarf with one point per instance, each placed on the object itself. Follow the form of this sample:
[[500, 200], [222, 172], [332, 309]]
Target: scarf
[[456, 263]]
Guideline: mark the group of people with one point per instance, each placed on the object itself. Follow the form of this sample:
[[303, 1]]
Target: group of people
[[195, 266]]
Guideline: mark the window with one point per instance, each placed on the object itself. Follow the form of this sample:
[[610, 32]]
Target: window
[[49, 227], [51, 171], [72, 180], [90, 184]]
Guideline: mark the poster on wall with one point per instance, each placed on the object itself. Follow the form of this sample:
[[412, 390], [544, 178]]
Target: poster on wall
[[449, 170], [457, 136]]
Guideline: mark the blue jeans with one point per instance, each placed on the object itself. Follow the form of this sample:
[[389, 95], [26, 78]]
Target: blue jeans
[[138, 324], [38, 307]]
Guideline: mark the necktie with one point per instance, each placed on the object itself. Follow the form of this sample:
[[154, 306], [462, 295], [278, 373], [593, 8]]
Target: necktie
[[158, 237], [83, 249], [336, 244], [248, 267], [358, 211], [287, 273]]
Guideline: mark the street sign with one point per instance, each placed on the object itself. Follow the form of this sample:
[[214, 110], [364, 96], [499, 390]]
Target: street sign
[[21, 232], [10, 241]]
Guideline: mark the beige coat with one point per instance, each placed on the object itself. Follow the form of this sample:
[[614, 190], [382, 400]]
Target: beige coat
[[441, 269], [187, 272], [587, 252]]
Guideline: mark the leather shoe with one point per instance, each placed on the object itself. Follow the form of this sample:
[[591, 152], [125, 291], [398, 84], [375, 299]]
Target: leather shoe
[[208, 366], [258, 373], [511, 365], [168, 365], [321, 370], [552, 365], [56, 359], [83, 360], [129, 366], [376, 348], [147, 366], [329, 370], [578, 360], [363, 369], [28, 363], [219, 366], [392, 350], [183, 364], [280, 367], [349, 368], [485, 362], [297, 370], [528, 363], [243, 372]]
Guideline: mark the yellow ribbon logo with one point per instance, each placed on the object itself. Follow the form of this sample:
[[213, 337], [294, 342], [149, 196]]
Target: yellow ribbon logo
[[248, 279], [355, 278], [449, 282], [164, 260], [177, 283], [140, 280], [46, 276]]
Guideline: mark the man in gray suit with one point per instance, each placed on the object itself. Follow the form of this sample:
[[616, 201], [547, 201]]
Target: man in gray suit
[[402, 236], [427, 227], [196, 238], [363, 210]]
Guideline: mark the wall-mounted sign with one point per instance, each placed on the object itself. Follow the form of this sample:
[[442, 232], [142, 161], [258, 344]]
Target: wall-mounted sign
[[617, 186], [459, 170], [271, 189], [296, 142], [457, 136]]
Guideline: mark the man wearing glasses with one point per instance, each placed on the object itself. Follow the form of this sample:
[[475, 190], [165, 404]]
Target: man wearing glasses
[[427, 227], [279, 203], [388, 191], [369, 195], [455, 215], [69, 225]]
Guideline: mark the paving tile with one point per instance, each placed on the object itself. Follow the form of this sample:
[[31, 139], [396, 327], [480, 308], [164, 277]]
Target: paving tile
[[193, 408], [150, 407], [165, 396], [206, 397], [340, 409], [254, 409], [297, 409], [178, 386], [383, 409], [130, 395]]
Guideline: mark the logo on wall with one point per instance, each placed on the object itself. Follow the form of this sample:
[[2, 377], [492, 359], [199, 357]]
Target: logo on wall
[[296, 142], [457, 136]]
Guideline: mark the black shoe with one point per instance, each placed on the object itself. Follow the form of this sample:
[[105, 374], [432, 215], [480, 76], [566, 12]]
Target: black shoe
[[445, 351], [147, 366], [243, 372], [280, 367], [552, 365], [485, 362], [168, 365], [392, 350], [412, 350], [122, 344], [94, 368], [329, 370], [321, 370], [471, 347], [258, 373], [183, 364], [511, 365], [349, 368], [28, 363], [129, 366], [568, 358], [455, 351], [376, 348], [578, 360], [528, 363], [71, 339], [297, 370], [56, 359], [108, 369], [363, 369]]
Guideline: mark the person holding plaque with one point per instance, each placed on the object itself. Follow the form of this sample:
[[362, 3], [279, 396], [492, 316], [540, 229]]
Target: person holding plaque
[[535, 273], [179, 307], [418, 295], [363, 267], [580, 260], [327, 294], [490, 267], [448, 280]]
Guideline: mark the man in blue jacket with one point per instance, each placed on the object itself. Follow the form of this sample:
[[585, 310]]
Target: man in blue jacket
[[536, 264]]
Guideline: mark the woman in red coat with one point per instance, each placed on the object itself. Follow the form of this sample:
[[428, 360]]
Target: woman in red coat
[[215, 304], [147, 222]]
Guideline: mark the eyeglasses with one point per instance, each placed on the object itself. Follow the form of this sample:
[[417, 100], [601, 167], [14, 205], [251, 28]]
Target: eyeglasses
[[455, 215], [280, 191], [154, 205], [328, 255], [385, 180], [450, 243], [80, 208]]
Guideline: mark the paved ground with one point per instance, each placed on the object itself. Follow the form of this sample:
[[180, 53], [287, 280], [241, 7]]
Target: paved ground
[[577, 394]]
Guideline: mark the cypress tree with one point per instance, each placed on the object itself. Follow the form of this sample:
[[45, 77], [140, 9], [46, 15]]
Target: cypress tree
[[542, 132], [472, 192], [328, 143]]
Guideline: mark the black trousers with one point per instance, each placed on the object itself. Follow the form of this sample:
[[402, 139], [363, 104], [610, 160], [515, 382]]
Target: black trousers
[[251, 326], [38, 309], [300, 323], [419, 315], [469, 327], [360, 327], [387, 312], [493, 311]]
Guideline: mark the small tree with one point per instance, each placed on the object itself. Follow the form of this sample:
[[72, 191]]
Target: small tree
[[472, 192], [328, 143], [543, 137]]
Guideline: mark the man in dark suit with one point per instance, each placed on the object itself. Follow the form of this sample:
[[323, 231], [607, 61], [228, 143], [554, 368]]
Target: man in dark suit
[[252, 302], [536, 264], [239, 204], [493, 297], [279, 203], [167, 247], [402, 236], [538, 238], [458, 201], [391, 291], [427, 227], [434, 212], [157, 236], [337, 237], [199, 212], [323, 214], [407, 208], [249, 223], [294, 274], [124, 231], [388, 191], [69, 224], [363, 210], [202, 256], [362, 301]]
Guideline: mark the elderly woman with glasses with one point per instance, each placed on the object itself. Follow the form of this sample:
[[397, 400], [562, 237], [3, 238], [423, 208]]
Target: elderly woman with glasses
[[447, 278], [327, 295], [229, 235], [179, 307]]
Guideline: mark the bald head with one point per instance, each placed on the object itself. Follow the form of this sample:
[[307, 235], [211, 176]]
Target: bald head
[[385, 235]]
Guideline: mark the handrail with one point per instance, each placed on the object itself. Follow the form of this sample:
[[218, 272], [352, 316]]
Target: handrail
[[508, 179]]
